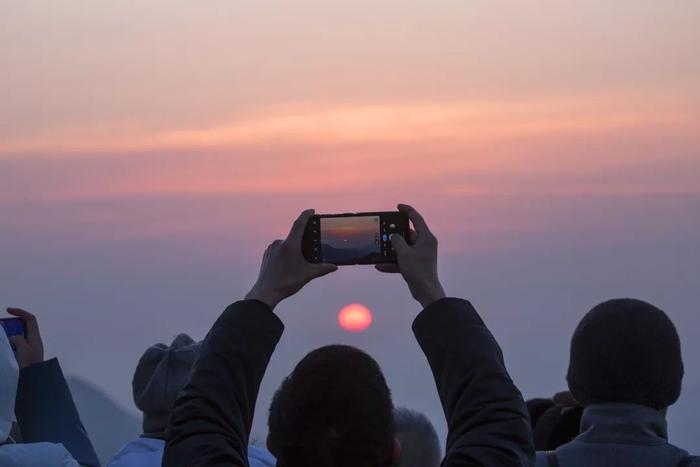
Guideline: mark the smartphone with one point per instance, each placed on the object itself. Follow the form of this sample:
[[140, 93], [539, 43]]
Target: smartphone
[[353, 238], [14, 326]]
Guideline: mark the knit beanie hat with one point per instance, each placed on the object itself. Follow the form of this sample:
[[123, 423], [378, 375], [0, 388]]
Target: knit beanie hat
[[160, 375], [626, 351]]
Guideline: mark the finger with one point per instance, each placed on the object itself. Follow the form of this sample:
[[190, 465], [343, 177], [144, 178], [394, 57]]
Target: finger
[[422, 229], [299, 226], [399, 244], [33, 335], [270, 248], [412, 236], [23, 351], [20, 313], [324, 269], [387, 268], [565, 398], [263, 262]]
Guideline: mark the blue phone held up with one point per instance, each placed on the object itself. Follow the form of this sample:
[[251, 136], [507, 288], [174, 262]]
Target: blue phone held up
[[14, 326]]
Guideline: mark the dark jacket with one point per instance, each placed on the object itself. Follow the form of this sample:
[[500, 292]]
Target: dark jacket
[[486, 415], [46, 412], [614, 435]]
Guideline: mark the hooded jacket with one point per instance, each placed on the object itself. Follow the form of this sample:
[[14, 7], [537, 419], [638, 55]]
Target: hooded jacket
[[52, 432], [21, 455], [619, 434]]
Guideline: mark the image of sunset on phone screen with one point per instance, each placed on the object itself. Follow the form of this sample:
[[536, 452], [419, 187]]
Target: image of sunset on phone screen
[[348, 239]]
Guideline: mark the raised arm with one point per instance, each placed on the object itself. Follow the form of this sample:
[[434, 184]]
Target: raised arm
[[486, 416], [211, 419]]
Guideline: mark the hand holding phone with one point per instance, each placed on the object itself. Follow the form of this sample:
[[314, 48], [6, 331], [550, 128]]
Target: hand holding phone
[[284, 270], [417, 260], [29, 349]]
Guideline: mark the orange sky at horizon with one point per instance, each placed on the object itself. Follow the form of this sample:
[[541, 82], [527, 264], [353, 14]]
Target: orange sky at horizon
[[351, 148]]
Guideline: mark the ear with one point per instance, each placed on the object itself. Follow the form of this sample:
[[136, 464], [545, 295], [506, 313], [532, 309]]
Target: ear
[[395, 458], [271, 445]]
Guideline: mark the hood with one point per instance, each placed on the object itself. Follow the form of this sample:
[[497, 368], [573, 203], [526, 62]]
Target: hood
[[9, 375], [22, 455]]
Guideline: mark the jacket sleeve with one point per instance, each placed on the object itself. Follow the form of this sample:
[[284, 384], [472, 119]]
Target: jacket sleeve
[[212, 417], [46, 412], [488, 422]]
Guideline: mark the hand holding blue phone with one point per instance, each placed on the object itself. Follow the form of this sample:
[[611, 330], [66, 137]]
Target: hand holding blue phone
[[23, 333]]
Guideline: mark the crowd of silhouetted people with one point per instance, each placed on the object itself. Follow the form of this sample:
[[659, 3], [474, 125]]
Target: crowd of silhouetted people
[[335, 407]]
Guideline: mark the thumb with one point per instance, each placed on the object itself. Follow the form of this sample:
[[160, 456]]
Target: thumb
[[399, 244], [324, 268], [19, 343]]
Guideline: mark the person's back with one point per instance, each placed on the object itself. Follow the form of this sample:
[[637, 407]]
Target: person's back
[[626, 370], [420, 445], [160, 374]]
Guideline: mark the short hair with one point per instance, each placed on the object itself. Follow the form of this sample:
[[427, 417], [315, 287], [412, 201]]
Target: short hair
[[335, 410], [420, 445]]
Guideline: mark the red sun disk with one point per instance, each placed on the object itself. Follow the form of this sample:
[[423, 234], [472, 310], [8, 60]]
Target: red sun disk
[[355, 317]]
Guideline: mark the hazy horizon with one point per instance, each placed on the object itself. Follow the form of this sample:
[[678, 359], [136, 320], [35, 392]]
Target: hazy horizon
[[149, 152]]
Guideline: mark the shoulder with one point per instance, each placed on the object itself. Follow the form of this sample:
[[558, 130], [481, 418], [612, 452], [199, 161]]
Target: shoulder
[[140, 451], [541, 459]]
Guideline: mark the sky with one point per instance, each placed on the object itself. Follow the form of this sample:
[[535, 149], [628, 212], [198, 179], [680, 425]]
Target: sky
[[149, 152]]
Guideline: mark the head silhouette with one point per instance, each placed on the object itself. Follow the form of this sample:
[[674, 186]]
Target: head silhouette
[[335, 410], [160, 374], [420, 445], [626, 351]]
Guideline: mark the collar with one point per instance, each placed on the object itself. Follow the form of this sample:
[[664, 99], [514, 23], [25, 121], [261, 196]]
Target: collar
[[623, 424]]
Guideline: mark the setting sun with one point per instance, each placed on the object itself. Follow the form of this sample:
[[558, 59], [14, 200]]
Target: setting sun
[[355, 317]]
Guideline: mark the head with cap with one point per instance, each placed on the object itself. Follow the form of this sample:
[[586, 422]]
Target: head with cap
[[160, 374], [420, 445], [626, 351]]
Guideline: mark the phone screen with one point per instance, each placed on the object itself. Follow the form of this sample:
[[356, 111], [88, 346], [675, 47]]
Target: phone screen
[[13, 326], [350, 239]]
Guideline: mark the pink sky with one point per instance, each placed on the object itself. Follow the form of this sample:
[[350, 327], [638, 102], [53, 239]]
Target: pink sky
[[309, 97]]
